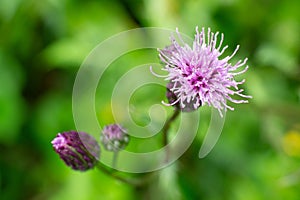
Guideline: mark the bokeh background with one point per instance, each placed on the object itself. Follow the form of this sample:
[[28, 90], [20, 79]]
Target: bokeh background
[[42, 45]]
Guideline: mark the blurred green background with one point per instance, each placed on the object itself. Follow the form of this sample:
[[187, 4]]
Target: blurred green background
[[43, 43]]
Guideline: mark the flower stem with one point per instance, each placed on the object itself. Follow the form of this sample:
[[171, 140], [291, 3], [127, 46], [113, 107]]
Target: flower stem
[[166, 129], [115, 176], [134, 182], [115, 159], [167, 126]]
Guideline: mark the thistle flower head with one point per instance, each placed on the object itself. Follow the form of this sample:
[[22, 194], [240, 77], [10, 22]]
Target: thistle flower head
[[198, 75], [78, 150], [114, 137]]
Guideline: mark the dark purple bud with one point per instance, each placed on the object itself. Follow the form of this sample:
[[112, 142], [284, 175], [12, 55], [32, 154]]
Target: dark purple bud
[[114, 137], [78, 150]]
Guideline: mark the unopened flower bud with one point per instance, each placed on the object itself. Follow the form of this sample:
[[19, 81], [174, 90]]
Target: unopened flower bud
[[114, 137], [78, 150]]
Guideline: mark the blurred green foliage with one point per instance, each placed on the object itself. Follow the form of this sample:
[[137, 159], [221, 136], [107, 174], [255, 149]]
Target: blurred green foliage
[[43, 43]]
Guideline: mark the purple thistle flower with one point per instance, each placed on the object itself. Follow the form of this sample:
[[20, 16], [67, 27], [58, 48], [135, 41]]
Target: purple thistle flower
[[114, 137], [78, 150], [198, 75]]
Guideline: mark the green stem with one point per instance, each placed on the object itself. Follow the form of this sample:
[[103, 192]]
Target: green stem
[[115, 159], [113, 175], [168, 125], [165, 133], [138, 182]]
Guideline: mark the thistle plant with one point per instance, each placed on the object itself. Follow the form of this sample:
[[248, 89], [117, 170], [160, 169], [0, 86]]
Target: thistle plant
[[197, 76]]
